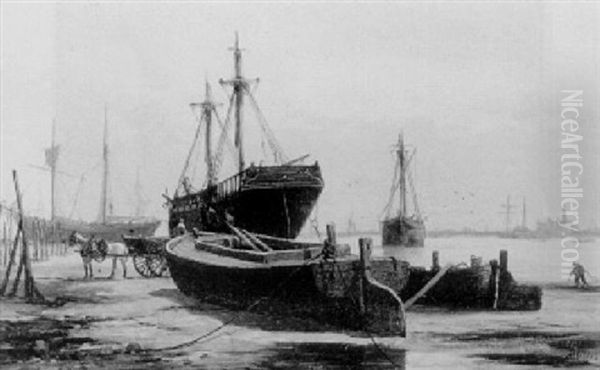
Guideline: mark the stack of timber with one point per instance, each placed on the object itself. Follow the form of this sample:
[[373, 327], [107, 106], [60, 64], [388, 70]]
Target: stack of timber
[[476, 286], [277, 276]]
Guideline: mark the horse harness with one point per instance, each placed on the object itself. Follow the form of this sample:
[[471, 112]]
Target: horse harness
[[94, 250]]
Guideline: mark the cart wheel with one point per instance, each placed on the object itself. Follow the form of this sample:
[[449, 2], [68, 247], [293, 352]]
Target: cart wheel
[[157, 264], [142, 266]]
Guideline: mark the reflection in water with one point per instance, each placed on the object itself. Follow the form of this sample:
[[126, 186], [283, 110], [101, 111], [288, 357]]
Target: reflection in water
[[331, 355]]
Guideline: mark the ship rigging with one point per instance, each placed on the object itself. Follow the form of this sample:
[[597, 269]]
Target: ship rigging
[[273, 199]]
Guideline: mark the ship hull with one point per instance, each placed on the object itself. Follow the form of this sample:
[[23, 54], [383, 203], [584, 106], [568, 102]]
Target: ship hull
[[274, 201], [402, 231], [289, 284], [111, 232]]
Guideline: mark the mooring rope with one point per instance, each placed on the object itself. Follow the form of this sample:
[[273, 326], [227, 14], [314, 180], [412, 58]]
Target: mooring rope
[[273, 292], [371, 336]]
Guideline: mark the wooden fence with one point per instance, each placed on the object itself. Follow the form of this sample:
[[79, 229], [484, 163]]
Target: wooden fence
[[43, 237]]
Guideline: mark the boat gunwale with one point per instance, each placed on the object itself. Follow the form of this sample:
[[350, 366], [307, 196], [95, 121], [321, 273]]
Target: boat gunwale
[[208, 244]]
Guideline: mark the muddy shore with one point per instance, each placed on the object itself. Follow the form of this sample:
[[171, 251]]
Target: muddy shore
[[124, 323]]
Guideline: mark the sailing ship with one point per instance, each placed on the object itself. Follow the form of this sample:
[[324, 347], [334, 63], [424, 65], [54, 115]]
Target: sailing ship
[[403, 229], [274, 200], [520, 231], [107, 226]]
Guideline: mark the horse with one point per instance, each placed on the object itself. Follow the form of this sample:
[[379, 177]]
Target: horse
[[93, 249], [116, 250], [88, 251]]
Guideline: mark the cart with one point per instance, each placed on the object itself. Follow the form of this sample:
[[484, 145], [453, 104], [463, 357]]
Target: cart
[[148, 254]]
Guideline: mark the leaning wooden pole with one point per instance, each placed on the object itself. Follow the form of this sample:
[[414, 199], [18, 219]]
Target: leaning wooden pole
[[11, 262], [31, 291]]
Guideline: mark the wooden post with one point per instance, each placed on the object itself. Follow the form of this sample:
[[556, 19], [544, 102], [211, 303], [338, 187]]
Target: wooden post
[[44, 240], [47, 242], [493, 284], [17, 280], [365, 267], [435, 260], [30, 289], [53, 238], [35, 240], [13, 252], [503, 260], [40, 239], [475, 261], [331, 237], [10, 228]]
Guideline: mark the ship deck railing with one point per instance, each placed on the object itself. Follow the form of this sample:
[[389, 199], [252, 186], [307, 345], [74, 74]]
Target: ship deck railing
[[268, 176]]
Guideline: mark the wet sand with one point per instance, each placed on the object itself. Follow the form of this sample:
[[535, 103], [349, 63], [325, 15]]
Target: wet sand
[[124, 323]]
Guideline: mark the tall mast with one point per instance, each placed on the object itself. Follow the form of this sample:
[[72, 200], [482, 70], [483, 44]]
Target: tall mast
[[52, 163], [208, 108], [103, 195], [402, 162], [239, 83], [238, 87]]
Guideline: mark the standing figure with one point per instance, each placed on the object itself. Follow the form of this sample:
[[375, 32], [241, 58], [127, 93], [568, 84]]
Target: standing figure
[[180, 227], [579, 273]]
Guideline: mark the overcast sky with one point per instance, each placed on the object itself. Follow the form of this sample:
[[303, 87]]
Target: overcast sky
[[475, 88]]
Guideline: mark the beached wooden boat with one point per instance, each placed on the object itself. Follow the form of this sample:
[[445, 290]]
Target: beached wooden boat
[[283, 277], [474, 286]]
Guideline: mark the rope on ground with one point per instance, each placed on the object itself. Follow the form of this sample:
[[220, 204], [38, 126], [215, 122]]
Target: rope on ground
[[383, 352], [371, 337], [430, 284], [235, 317]]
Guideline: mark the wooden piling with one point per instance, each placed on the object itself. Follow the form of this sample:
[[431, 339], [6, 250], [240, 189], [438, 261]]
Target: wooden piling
[[44, 242], [331, 237], [365, 265], [31, 291], [11, 261], [475, 261], [493, 283], [435, 260], [35, 239], [10, 231], [503, 260]]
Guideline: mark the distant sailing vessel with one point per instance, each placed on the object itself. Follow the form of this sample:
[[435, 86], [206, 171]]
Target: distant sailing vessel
[[108, 227], [403, 229], [274, 200], [518, 232]]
